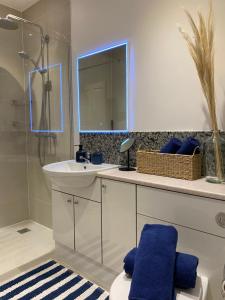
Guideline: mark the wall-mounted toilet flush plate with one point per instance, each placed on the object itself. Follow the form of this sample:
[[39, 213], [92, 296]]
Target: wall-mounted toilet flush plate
[[220, 219]]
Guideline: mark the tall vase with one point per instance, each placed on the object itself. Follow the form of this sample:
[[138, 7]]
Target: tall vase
[[214, 165]]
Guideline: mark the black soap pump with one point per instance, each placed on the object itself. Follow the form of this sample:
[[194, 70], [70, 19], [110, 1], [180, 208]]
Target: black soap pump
[[80, 154]]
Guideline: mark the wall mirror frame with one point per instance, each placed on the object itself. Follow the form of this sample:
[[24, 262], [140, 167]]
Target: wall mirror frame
[[118, 120]]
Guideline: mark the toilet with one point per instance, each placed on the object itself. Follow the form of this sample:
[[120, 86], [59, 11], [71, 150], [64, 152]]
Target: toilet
[[121, 287]]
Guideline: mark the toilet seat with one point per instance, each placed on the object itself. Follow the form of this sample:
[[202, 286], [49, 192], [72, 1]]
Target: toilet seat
[[121, 287]]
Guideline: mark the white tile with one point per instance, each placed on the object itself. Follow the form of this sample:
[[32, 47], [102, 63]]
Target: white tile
[[17, 249]]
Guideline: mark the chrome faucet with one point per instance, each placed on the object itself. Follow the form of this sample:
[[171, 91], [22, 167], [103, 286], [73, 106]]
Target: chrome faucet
[[86, 160]]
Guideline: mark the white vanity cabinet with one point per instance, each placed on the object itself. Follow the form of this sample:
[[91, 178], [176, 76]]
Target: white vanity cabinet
[[118, 222], [77, 220], [103, 230], [104, 221], [195, 220], [88, 228], [63, 218]]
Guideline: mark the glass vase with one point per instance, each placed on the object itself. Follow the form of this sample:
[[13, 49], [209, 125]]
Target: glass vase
[[214, 164]]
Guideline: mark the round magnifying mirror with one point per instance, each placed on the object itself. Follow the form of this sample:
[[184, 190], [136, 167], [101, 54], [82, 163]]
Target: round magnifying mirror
[[125, 147]]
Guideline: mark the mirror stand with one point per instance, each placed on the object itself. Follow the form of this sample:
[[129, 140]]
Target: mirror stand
[[128, 167]]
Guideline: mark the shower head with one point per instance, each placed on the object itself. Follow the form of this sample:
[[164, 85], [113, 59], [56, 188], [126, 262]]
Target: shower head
[[11, 22], [6, 23], [16, 20]]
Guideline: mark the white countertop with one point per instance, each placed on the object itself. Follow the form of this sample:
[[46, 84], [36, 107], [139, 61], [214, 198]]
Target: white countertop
[[197, 187]]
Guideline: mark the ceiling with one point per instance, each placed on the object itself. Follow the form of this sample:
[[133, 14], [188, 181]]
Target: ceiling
[[20, 5]]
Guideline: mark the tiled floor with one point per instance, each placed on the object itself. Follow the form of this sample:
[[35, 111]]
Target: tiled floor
[[21, 252], [17, 249], [84, 266]]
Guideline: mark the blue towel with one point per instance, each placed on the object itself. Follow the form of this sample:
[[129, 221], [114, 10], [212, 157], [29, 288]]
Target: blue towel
[[185, 274], [129, 261], [153, 277], [172, 146], [188, 147], [186, 271]]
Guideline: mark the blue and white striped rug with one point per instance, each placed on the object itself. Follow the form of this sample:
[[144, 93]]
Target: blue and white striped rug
[[51, 281]]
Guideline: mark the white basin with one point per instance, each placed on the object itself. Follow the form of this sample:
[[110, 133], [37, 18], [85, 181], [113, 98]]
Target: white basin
[[72, 174]]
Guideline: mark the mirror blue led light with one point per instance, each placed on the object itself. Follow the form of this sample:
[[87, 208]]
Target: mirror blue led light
[[89, 55]]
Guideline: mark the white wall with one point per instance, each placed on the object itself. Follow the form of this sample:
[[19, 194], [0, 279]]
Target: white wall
[[165, 94]]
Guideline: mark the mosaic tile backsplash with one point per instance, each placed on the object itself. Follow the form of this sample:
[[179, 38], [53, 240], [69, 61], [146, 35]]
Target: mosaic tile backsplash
[[109, 144]]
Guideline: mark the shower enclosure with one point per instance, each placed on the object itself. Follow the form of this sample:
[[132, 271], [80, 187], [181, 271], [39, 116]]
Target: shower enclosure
[[11, 22], [36, 96]]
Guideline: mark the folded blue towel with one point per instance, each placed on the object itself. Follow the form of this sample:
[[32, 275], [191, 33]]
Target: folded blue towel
[[153, 277], [185, 274], [186, 271], [129, 261], [172, 146], [188, 147]]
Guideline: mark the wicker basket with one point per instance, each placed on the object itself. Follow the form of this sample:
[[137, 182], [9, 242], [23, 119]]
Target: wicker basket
[[171, 165]]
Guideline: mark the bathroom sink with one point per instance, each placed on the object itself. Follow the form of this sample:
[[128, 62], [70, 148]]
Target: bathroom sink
[[72, 174]]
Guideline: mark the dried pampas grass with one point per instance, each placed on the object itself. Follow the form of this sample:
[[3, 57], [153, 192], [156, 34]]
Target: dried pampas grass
[[201, 48]]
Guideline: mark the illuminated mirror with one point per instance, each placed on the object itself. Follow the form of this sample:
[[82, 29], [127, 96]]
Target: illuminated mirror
[[102, 90]]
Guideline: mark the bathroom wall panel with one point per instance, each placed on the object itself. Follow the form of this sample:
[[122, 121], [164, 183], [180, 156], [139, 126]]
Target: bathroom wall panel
[[109, 144], [13, 164]]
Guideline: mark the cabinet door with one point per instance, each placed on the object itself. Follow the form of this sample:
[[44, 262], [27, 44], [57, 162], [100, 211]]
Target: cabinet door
[[63, 219], [118, 222], [88, 228]]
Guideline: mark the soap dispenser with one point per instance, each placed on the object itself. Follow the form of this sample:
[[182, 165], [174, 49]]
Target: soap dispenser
[[80, 154]]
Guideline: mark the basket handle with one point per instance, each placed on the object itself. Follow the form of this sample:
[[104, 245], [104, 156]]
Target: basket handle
[[196, 148]]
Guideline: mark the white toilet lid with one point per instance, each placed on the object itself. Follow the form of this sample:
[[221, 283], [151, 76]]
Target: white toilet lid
[[121, 287]]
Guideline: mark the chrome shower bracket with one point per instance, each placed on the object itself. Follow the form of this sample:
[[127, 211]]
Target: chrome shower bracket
[[47, 39]]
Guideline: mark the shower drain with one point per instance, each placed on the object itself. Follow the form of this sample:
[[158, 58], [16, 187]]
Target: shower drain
[[23, 230]]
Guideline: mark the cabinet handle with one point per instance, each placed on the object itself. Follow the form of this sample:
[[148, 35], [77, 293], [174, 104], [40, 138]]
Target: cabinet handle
[[69, 201], [103, 186], [76, 202]]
